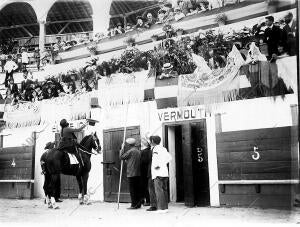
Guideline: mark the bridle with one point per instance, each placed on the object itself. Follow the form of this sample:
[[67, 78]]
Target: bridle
[[87, 152]]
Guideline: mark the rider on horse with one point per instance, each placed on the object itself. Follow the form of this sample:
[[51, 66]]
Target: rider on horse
[[68, 141]]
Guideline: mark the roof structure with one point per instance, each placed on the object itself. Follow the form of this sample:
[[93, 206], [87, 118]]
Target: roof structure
[[21, 19]]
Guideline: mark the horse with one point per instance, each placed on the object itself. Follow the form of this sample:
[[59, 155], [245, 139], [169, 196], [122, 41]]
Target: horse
[[54, 162]]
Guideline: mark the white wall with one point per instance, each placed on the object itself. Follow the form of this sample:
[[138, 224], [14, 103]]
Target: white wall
[[257, 113], [237, 115]]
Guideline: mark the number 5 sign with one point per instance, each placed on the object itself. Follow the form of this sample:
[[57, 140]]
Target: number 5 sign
[[256, 154]]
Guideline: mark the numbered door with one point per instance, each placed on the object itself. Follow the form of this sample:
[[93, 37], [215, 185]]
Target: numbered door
[[68, 184], [192, 176], [200, 163], [112, 142]]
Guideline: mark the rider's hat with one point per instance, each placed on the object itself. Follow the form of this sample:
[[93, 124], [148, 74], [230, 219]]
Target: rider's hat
[[91, 122], [64, 123]]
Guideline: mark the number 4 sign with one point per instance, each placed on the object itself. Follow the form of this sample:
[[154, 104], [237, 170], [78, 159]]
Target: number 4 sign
[[256, 154]]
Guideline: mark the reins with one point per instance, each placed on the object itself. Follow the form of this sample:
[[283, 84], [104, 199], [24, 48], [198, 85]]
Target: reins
[[87, 151]]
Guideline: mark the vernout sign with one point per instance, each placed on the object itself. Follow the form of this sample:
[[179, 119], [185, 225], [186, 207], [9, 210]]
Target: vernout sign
[[181, 114]]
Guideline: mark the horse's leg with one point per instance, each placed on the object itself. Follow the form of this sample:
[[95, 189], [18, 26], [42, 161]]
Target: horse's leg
[[54, 179], [80, 184], [85, 178]]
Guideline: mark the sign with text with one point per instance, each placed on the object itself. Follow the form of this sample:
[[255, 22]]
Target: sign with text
[[181, 114]]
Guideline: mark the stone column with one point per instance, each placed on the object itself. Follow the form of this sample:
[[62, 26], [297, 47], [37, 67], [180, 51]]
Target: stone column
[[42, 34]]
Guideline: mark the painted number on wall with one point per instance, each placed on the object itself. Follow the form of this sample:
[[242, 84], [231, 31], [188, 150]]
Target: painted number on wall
[[256, 155], [199, 154]]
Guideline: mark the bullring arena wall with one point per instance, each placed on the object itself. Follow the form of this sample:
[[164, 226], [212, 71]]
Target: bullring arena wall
[[269, 112]]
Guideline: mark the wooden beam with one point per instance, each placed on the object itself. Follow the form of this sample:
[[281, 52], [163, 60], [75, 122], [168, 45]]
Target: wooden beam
[[70, 21], [289, 181], [28, 32], [48, 22], [16, 181], [64, 27], [17, 26]]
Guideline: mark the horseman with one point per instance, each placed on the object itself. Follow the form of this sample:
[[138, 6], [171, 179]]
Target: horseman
[[68, 141]]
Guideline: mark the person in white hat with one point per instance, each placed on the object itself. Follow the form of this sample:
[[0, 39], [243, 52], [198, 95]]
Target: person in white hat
[[132, 158]]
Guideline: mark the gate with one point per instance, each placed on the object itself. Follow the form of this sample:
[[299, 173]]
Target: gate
[[17, 172], [112, 142], [255, 167]]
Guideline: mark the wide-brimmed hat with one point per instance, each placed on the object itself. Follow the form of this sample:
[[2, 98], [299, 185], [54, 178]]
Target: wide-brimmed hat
[[131, 141], [167, 66]]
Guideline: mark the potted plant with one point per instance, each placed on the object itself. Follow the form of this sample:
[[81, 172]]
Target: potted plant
[[179, 31], [221, 19], [169, 30], [130, 41], [92, 48], [154, 38]]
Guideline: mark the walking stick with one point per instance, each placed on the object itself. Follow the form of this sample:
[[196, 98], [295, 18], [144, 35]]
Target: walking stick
[[121, 170]]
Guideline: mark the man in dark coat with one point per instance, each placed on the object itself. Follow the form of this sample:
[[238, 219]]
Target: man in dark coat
[[68, 139], [25, 84], [272, 38], [132, 157], [289, 35], [12, 86], [146, 157]]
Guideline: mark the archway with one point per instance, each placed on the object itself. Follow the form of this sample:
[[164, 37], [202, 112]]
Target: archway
[[18, 20], [69, 17]]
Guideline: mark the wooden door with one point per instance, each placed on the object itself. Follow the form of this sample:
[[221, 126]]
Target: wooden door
[[112, 142], [189, 198], [195, 164], [200, 163], [68, 184]]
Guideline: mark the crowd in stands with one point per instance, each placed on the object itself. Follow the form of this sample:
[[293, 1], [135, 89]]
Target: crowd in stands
[[167, 13], [279, 36], [33, 90], [22, 58]]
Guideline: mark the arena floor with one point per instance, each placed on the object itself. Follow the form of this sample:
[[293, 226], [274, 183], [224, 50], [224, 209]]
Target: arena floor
[[35, 212]]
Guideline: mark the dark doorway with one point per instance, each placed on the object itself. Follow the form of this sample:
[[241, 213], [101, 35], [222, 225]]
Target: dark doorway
[[192, 177], [200, 163], [179, 164]]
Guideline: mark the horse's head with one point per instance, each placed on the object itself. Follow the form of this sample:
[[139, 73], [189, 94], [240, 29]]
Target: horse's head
[[96, 144], [91, 142]]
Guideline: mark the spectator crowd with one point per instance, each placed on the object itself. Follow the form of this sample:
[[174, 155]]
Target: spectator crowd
[[168, 12], [33, 90]]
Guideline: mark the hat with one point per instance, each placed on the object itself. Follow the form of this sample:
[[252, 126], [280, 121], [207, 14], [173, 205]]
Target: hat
[[49, 145], [91, 122], [271, 18], [64, 123], [131, 141], [167, 66], [139, 17]]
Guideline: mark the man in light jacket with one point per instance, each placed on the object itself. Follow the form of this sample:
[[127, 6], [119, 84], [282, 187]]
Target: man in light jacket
[[160, 174]]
